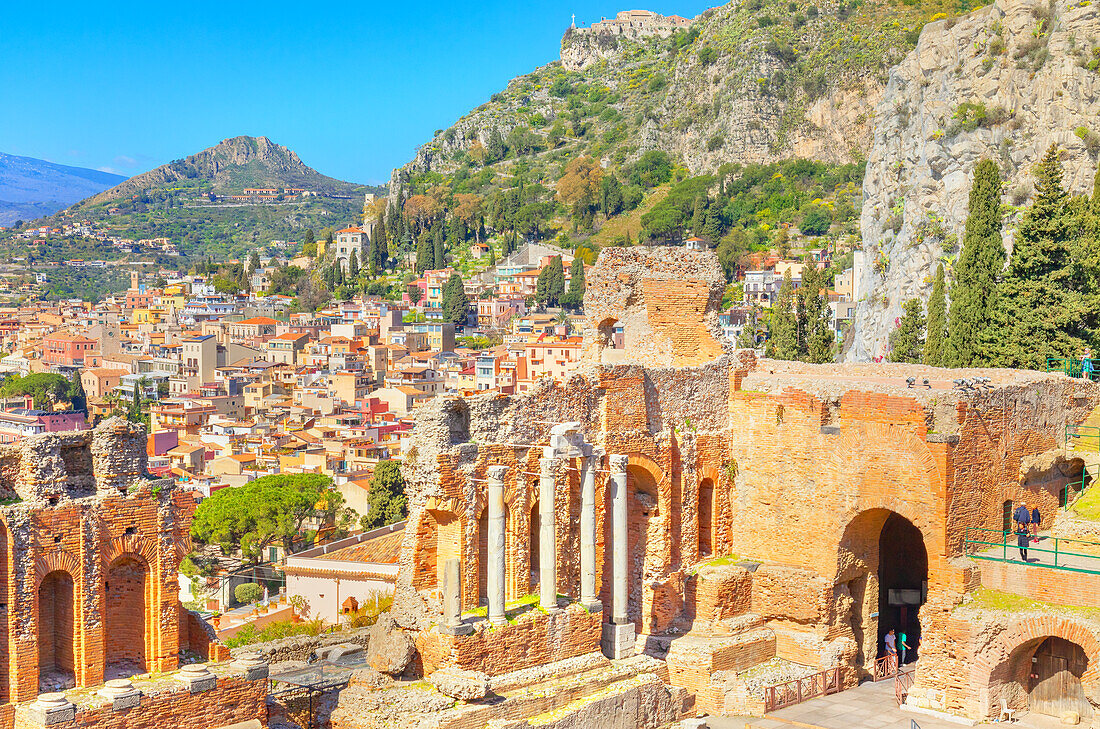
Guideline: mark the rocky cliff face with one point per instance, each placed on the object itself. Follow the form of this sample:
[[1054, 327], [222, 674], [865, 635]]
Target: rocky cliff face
[[1004, 82]]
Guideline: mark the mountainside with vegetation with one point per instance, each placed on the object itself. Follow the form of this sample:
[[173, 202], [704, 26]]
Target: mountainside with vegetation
[[199, 202], [32, 188]]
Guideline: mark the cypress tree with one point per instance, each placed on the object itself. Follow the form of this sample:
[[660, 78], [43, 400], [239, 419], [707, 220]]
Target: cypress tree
[[907, 341], [353, 266], [698, 216], [971, 332], [574, 298], [937, 323], [424, 255], [437, 246], [1044, 312], [783, 342], [455, 302], [815, 338]]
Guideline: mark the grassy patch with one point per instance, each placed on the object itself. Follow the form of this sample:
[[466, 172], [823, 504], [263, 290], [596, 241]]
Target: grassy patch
[[512, 608], [985, 599], [1088, 506]]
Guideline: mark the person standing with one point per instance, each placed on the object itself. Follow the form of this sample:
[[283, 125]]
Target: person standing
[[1036, 520], [891, 649], [1086, 364], [1022, 516], [1022, 539], [903, 646]]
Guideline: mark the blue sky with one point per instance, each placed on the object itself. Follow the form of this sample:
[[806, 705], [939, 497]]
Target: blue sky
[[354, 88]]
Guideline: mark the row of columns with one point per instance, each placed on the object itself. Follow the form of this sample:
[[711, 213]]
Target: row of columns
[[548, 586]]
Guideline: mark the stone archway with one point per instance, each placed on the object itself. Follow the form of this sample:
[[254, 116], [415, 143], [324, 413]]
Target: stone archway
[[1017, 666], [883, 567], [56, 632], [645, 534], [127, 589]]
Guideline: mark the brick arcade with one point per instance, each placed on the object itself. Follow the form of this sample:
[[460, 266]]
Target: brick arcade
[[772, 509], [89, 557]]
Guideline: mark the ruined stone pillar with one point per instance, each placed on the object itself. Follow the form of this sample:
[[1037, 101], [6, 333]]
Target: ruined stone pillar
[[548, 583], [452, 600], [619, 548], [618, 635], [494, 572], [589, 593]]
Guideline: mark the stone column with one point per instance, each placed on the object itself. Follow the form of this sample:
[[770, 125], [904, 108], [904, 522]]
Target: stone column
[[548, 584], [494, 571], [589, 595], [619, 548], [452, 600], [618, 635]]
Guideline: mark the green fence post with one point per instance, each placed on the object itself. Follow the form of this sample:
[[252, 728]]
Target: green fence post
[[1004, 546], [1056, 540]]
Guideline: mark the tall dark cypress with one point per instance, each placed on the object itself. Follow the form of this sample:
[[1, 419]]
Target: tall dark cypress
[[971, 332], [937, 322]]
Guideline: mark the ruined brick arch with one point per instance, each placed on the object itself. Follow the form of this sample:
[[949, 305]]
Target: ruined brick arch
[[709, 513], [648, 524], [129, 596], [56, 560], [114, 548], [1002, 669]]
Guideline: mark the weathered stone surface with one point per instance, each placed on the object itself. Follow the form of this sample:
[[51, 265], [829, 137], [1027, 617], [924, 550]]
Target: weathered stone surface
[[921, 162], [390, 648], [460, 684]]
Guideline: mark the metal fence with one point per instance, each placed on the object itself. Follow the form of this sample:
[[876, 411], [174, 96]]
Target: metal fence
[[794, 692], [1073, 367], [1059, 553]]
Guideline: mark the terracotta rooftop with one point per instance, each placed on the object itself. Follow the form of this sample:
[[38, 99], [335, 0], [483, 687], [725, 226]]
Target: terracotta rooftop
[[384, 549]]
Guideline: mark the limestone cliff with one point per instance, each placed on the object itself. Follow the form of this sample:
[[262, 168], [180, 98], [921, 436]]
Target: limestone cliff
[[1004, 82]]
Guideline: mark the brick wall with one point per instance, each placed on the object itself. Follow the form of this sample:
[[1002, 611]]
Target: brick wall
[[534, 639], [1060, 587]]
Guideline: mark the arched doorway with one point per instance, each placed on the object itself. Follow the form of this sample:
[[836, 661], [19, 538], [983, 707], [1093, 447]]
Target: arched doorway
[[56, 626], [1054, 680], [124, 637], [706, 518], [611, 340], [884, 571], [533, 541], [643, 536]]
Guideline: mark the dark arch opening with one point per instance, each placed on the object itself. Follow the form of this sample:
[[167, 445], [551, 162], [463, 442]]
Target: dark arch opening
[[642, 513], [124, 636], [706, 518], [903, 581], [56, 630], [533, 540], [1054, 681], [483, 557]]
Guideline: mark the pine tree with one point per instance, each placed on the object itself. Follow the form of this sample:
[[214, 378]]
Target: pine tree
[[699, 215], [353, 266], [550, 286], [494, 151], [437, 246], [936, 325], [907, 341], [455, 302], [1043, 311], [783, 342], [492, 255], [712, 228], [253, 262], [309, 244], [971, 332]]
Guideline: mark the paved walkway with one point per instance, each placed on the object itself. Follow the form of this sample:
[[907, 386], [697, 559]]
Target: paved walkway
[[868, 706], [1081, 554]]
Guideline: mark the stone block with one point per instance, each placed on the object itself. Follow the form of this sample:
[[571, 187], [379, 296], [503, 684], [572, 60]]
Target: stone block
[[197, 677], [253, 666], [51, 709], [121, 693], [460, 684], [618, 640]]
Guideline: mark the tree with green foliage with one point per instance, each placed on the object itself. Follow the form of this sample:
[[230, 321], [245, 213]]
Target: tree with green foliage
[[495, 150], [574, 297], [134, 413], [248, 593], [353, 266], [78, 399], [386, 498], [309, 244], [815, 337], [907, 340], [425, 257], [269, 510], [254, 262], [783, 326], [456, 304], [1042, 309], [550, 285], [437, 247], [971, 330], [415, 294], [45, 388], [937, 323], [328, 243]]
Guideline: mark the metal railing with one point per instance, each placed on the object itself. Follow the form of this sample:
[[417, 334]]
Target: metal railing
[[1083, 438], [902, 683], [1073, 367], [885, 667], [798, 690], [1001, 546]]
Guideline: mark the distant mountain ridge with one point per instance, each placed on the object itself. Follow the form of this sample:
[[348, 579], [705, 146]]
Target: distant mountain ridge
[[230, 166], [32, 188]]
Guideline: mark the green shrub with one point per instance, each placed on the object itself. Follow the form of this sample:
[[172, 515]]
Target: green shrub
[[708, 55], [248, 593]]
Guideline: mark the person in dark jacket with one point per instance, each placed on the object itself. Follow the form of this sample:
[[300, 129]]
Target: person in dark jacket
[[1036, 520], [1022, 516], [1022, 540]]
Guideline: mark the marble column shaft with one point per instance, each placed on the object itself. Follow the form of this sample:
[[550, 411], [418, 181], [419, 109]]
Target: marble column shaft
[[495, 568], [619, 548], [548, 584], [589, 595]]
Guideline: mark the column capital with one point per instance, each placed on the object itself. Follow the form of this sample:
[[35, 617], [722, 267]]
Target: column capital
[[496, 473], [618, 462], [546, 465]]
